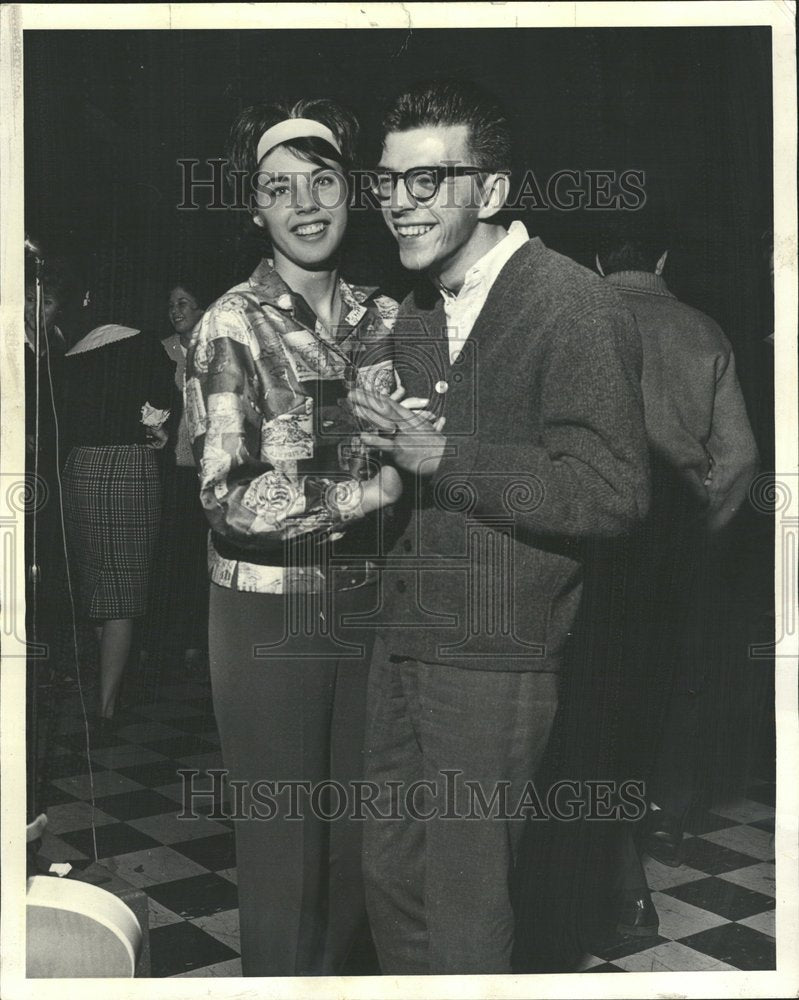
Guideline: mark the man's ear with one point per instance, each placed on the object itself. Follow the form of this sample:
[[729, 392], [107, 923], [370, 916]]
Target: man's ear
[[661, 263], [495, 190], [258, 220]]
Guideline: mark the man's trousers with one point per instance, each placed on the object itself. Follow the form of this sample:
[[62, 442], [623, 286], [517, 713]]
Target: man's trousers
[[441, 743]]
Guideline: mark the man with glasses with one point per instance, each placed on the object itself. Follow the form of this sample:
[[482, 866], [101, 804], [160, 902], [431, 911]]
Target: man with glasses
[[521, 433]]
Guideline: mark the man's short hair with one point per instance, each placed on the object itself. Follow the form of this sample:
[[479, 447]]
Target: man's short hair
[[635, 245], [456, 102]]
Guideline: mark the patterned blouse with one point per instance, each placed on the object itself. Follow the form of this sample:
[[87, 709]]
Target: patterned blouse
[[279, 458]]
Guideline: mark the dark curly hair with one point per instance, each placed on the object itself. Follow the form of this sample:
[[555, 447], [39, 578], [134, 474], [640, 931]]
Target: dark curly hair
[[252, 122], [200, 282]]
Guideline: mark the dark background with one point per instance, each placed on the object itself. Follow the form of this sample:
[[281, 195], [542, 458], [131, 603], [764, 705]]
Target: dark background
[[108, 114]]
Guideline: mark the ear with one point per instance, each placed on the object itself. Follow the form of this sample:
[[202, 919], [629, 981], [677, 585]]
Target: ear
[[661, 263], [598, 263], [495, 193], [258, 220]]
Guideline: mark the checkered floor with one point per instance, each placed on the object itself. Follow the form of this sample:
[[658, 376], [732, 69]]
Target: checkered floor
[[716, 911]]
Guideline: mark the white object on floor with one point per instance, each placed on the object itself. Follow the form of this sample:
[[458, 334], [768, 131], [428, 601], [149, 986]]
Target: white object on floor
[[78, 930]]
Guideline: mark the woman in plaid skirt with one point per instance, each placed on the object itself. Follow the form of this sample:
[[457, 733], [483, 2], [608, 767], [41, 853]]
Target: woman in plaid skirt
[[118, 385]]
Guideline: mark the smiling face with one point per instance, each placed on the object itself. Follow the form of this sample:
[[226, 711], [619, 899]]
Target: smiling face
[[438, 236], [303, 208], [184, 311]]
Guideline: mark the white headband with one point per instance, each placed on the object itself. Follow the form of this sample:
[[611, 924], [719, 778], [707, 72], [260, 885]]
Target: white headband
[[294, 128]]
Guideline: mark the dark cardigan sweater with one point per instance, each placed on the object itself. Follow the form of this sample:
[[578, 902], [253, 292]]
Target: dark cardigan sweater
[[546, 448]]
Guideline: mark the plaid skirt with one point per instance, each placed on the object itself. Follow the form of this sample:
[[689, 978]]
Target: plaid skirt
[[112, 508]]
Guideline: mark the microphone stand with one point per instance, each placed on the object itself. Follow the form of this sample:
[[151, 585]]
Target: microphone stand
[[34, 572]]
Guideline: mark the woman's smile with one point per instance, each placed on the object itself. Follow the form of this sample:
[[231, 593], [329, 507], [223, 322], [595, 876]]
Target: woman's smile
[[309, 231]]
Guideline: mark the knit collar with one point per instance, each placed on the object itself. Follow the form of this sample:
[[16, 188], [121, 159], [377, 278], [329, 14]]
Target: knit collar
[[640, 281], [273, 290]]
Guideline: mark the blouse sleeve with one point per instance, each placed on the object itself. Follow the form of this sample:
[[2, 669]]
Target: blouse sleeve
[[241, 415], [375, 363]]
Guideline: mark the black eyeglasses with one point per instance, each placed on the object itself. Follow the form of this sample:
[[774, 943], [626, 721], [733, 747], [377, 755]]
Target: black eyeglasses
[[422, 183]]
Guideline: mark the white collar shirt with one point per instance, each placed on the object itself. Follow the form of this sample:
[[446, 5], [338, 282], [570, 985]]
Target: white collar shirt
[[463, 309]]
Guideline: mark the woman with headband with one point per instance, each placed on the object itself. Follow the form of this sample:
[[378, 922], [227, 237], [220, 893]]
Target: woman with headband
[[293, 500]]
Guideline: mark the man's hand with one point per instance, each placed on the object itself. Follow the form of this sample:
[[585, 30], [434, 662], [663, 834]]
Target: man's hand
[[404, 430]]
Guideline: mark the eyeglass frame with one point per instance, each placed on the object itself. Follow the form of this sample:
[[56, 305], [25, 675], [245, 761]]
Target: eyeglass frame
[[441, 172]]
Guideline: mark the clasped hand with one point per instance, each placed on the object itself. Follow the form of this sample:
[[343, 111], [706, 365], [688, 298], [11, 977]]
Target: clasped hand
[[156, 437], [403, 429]]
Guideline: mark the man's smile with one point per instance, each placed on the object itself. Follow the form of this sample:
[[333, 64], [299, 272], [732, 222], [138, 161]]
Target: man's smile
[[408, 231]]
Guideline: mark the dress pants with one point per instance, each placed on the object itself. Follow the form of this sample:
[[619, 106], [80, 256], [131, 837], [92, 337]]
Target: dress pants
[[437, 889], [294, 713]]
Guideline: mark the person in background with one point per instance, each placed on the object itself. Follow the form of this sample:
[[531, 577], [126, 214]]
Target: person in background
[[288, 490], [46, 593], [177, 624], [703, 457], [43, 449], [58, 291], [118, 386]]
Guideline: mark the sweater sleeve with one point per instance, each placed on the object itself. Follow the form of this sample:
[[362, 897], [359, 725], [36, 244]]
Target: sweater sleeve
[[587, 472], [732, 447]]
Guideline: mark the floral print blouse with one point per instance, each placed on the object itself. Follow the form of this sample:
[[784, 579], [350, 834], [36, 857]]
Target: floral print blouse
[[278, 455]]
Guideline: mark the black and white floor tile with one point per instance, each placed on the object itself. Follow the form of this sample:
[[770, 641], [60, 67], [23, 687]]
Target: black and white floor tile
[[716, 911]]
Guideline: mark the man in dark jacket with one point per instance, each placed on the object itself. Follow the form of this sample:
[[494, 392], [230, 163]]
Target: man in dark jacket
[[534, 366], [703, 459], [696, 418]]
